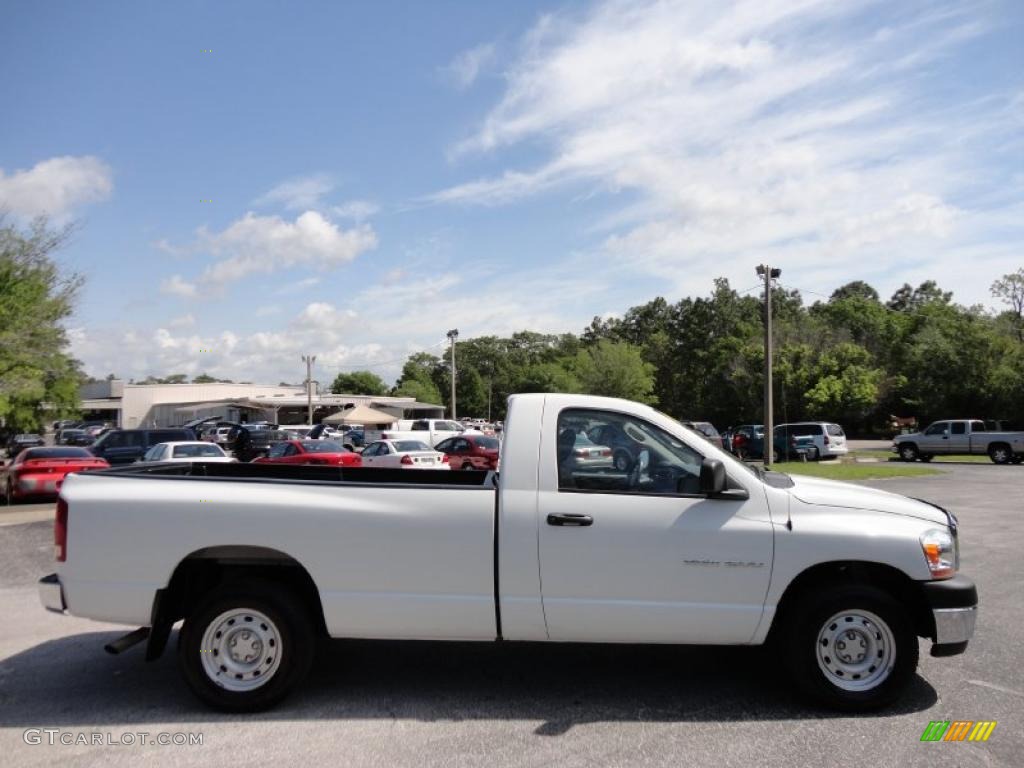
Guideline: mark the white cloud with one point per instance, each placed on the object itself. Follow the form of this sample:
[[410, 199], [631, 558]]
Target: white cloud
[[298, 286], [55, 187], [355, 209], [302, 192], [734, 132], [265, 244], [184, 321], [176, 285], [464, 69]]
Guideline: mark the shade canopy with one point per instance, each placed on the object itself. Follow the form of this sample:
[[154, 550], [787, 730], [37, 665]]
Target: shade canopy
[[361, 414]]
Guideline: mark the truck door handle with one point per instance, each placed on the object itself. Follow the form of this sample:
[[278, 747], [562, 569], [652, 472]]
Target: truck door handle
[[571, 519]]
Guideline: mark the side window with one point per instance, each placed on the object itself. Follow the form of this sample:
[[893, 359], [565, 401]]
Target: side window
[[978, 426], [276, 451], [959, 428], [937, 428], [371, 451], [289, 450], [153, 453], [444, 446], [420, 426], [646, 459]]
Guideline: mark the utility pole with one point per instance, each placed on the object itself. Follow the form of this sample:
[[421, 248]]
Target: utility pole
[[309, 360], [768, 273], [453, 334]]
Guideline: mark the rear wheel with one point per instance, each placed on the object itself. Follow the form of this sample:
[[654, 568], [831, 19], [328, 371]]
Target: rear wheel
[[851, 648], [1000, 454], [246, 647], [812, 453], [908, 452]]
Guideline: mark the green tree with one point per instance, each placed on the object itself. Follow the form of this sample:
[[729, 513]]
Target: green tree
[[35, 299], [615, 369], [1010, 289], [359, 383]]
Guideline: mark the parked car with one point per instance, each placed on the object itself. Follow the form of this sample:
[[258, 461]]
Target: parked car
[[961, 436], [310, 452], [691, 547], [470, 450], [706, 430], [625, 449], [827, 440], [747, 441], [41, 471], [18, 443], [197, 450], [249, 444], [577, 451], [403, 454], [124, 446]]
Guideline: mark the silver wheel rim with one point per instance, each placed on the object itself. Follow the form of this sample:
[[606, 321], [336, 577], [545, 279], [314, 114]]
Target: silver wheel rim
[[999, 455], [856, 650], [909, 453], [241, 650]]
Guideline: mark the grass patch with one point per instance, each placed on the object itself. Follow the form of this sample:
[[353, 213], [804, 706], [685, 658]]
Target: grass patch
[[854, 471], [887, 455]]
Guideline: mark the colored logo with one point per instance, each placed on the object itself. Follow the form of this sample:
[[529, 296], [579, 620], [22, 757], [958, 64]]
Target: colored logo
[[958, 730]]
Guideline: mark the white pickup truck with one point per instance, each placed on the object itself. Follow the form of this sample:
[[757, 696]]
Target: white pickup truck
[[961, 436], [688, 546], [429, 431]]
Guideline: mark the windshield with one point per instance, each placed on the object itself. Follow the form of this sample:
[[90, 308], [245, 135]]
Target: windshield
[[487, 443], [192, 451], [410, 445], [322, 446], [56, 453]]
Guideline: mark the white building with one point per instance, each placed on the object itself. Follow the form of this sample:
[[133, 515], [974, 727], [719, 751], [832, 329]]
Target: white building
[[165, 405]]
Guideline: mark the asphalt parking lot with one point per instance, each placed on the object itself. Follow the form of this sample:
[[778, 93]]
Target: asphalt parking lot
[[435, 704]]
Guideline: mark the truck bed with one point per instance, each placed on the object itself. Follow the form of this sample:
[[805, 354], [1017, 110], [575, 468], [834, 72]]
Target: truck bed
[[304, 473]]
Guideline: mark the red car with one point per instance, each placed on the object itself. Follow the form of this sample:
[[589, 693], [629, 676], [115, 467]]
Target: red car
[[310, 452], [40, 471], [470, 451]]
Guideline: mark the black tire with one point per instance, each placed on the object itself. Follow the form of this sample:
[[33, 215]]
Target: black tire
[[812, 453], [909, 452], [622, 461], [467, 465], [297, 645], [1000, 453], [808, 624], [926, 457]]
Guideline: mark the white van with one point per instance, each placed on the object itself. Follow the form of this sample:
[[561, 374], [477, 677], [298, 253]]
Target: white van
[[829, 439]]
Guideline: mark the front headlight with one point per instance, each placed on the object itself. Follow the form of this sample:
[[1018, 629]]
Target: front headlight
[[940, 552]]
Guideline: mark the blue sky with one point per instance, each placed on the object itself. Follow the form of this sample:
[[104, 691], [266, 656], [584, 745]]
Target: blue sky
[[254, 181]]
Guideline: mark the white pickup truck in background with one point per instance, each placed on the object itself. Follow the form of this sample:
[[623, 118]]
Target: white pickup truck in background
[[429, 431], [961, 437], [687, 546]]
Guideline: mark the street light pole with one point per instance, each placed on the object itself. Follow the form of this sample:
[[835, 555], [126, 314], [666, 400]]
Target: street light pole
[[452, 336], [309, 360], [768, 273]]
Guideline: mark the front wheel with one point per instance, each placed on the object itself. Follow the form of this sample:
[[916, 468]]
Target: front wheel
[[851, 648], [246, 647], [908, 452]]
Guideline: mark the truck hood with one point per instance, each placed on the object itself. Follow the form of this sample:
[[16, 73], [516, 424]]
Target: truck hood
[[832, 493]]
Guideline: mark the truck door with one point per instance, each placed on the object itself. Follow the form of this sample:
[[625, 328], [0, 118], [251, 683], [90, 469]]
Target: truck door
[[639, 555], [976, 439], [959, 439], [935, 439]]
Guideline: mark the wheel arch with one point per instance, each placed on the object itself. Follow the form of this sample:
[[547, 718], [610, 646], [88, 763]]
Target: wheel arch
[[822, 576], [206, 569]]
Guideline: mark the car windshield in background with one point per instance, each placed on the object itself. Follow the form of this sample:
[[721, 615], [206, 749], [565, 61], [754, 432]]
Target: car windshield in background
[[191, 451], [322, 446], [56, 453], [487, 443], [73, 432], [410, 445]]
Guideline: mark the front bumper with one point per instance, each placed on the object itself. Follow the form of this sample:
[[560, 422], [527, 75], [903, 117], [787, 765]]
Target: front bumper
[[51, 593], [954, 606]]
